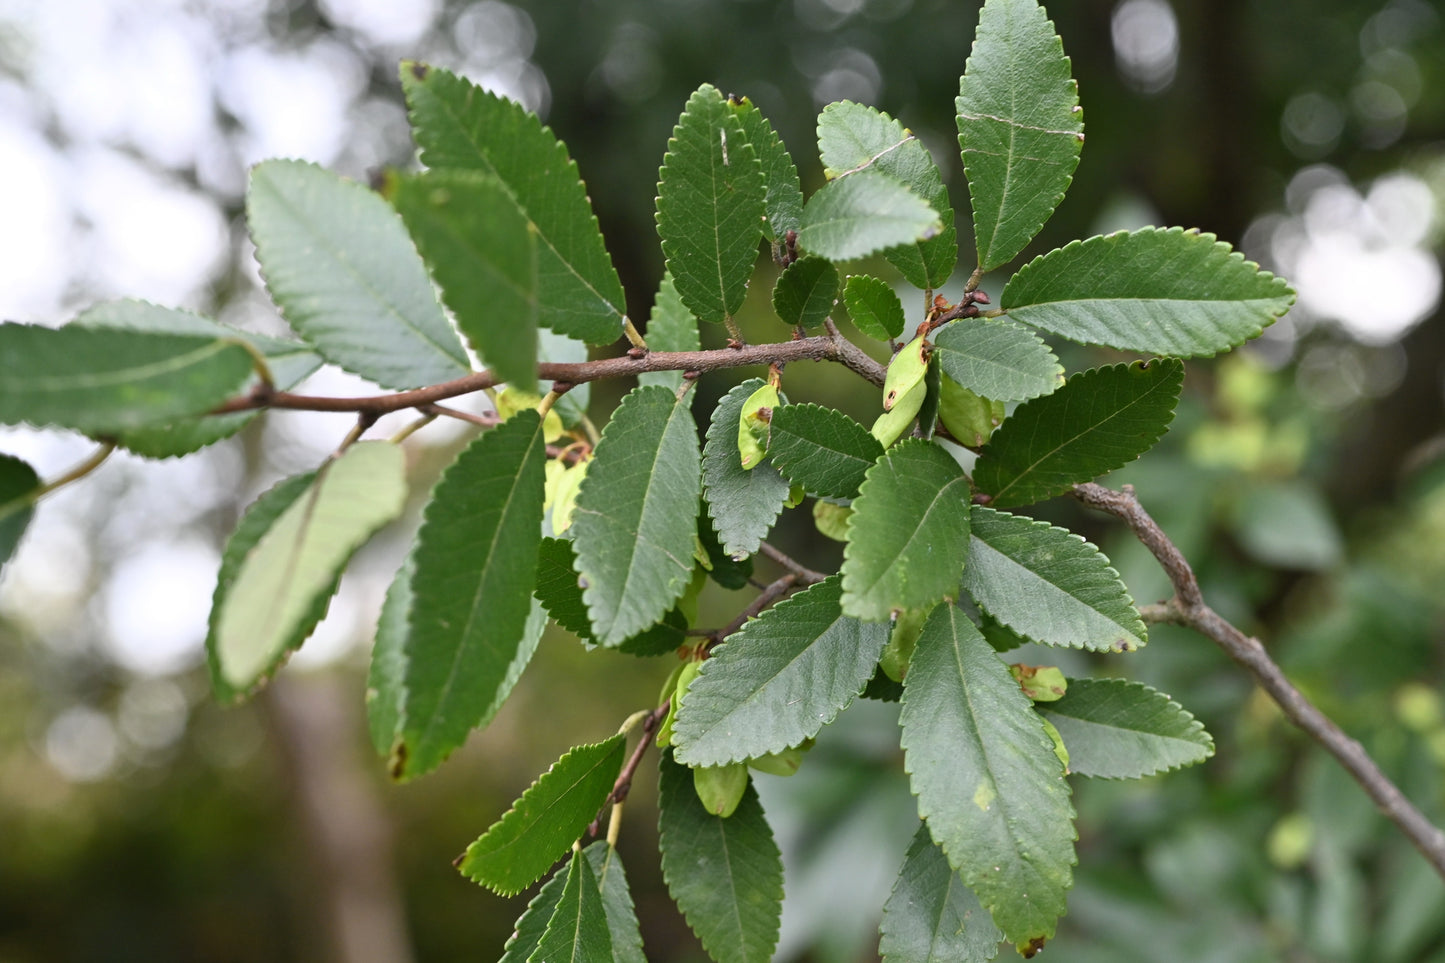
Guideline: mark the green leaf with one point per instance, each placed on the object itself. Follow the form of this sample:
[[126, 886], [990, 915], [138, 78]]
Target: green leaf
[[476, 558], [460, 125], [560, 349], [864, 213], [103, 380], [725, 874], [852, 138], [908, 535], [616, 901], [287, 361], [18, 486], [1101, 419], [283, 563], [636, 514], [340, 266], [557, 589], [1168, 291], [386, 676], [778, 680], [1049, 584], [998, 360], [544, 822], [822, 449], [874, 307], [577, 931], [743, 504], [670, 327], [805, 292], [710, 197], [931, 916], [1019, 127], [783, 197], [483, 253], [1125, 730], [988, 783]]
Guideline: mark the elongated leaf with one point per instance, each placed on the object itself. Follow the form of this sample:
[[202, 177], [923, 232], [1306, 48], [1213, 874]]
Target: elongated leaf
[[483, 253], [873, 306], [542, 824], [1019, 127], [103, 381], [998, 360], [1124, 730], [386, 676], [908, 534], [460, 125], [670, 327], [864, 213], [852, 138], [931, 916], [476, 557], [577, 931], [635, 520], [783, 196], [988, 783], [1099, 420], [18, 486], [710, 197], [287, 361], [283, 563], [778, 680], [1168, 291], [557, 589], [822, 449], [616, 901], [340, 266], [725, 874], [805, 292], [742, 503], [1049, 584]]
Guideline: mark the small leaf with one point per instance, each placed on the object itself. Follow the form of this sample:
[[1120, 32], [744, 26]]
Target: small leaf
[[386, 676], [862, 214], [558, 590], [931, 916], [543, 823], [483, 253], [969, 418], [475, 558], [340, 266], [635, 521], [725, 874], [283, 563], [805, 292], [710, 197], [1167, 291], [1099, 420], [778, 680], [671, 327], [997, 360], [287, 361], [577, 931], [105, 380], [852, 138], [742, 503], [458, 124], [1019, 127], [988, 783], [874, 307], [1049, 584], [617, 903], [1125, 730], [783, 199], [18, 487], [822, 449], [908, 536]]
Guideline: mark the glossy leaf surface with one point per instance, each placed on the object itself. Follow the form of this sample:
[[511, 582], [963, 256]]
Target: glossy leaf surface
[[806, 291], [1166, 291], [1124, 730], [873, 306], [783, 194], [742, 503]]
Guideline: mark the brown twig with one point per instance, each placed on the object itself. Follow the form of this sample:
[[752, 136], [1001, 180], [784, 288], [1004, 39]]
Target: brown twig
[[623, 785], [806, 576], [766, 597], [1188, 608]]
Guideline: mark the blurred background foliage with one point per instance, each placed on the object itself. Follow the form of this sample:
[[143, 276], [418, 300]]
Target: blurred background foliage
[[1304, 475]]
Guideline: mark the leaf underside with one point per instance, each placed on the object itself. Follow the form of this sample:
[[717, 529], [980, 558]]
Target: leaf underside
[[1117, 729], [862, 214], [997, 359], [742, 503]]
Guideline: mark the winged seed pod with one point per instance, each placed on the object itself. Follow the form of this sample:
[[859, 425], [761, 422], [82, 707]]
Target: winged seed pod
[[905, 371]]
